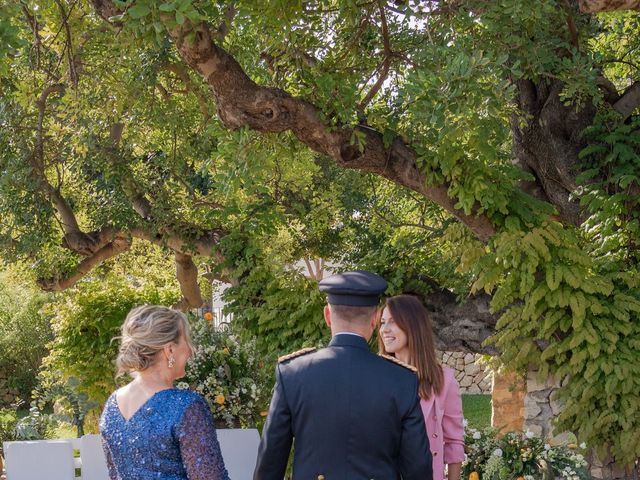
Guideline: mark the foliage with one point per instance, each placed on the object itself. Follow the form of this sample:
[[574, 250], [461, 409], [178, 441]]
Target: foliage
[[36, 425], [282, 312], [8, 420], [33, 426], [72, 406], [231, 374], [24, 331], [449, 79], [86, 319], [519, 456]]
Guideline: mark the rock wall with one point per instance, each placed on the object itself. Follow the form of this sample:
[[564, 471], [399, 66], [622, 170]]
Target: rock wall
[[472, 376], [540, 409]]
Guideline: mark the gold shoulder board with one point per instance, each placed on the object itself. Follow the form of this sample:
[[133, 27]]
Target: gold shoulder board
[[299, 353], [399, 362]]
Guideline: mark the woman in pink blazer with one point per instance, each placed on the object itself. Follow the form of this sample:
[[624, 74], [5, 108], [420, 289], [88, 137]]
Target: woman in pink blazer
[[406, 333]]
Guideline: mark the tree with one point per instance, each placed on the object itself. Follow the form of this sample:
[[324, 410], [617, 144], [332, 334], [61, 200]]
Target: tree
[[518, 120]]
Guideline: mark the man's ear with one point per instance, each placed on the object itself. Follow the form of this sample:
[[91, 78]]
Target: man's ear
[[327, 315], [375, 317]]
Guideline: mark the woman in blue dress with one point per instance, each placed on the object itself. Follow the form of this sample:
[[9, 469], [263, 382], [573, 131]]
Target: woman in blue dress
[[151, 430]]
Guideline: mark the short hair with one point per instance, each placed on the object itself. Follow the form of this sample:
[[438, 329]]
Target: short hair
[[351, 313], [145, 332]]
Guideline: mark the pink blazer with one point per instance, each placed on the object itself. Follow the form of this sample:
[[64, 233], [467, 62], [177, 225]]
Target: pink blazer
[[444, 421]]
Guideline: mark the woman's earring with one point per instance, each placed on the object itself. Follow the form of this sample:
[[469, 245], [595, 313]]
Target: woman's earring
[[172, 362]]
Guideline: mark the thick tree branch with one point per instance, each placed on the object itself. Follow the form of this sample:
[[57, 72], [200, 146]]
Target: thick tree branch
[[187, 275], [597, 6], [205, 245], [629, 101], [75, 239], [243, 103], [110, 250]]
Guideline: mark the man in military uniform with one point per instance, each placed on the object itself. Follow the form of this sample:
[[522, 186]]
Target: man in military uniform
[[353, 414]]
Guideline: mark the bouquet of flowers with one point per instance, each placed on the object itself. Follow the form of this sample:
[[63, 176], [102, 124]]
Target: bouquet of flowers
[[520, 456], [230, 375]]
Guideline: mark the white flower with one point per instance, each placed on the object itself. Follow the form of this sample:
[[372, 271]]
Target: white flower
[[547, 446], [465, 423], [583, 445], [529, 434], [477, 435], [497, 452]]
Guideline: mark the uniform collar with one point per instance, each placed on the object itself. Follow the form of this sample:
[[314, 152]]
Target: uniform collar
[[348, 340]]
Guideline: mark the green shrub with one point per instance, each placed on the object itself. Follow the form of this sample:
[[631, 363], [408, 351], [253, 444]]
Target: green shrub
[[8, 420], [85, 320], [24, 332]]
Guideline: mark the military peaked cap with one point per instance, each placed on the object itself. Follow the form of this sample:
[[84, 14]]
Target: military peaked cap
[[358, 288]]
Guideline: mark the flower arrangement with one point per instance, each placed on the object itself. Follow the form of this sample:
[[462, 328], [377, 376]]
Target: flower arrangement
[[520, 456], [230, 374]]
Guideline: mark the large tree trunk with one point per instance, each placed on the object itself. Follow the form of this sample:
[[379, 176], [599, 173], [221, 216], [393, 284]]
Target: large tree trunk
[[595, 6], [547, 138]]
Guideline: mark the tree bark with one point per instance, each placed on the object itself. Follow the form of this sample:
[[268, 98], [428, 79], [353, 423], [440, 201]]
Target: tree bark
[[596, 6], [243, 103], [547, 139]]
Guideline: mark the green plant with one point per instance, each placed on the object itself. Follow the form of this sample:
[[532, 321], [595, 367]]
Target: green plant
[[25, 332], [36, 425], [231, 375], [8, 420], [86, 320], [520, 456], [74, 406]]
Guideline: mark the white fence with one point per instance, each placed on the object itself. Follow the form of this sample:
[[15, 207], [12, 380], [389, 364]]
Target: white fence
[[83, 458]]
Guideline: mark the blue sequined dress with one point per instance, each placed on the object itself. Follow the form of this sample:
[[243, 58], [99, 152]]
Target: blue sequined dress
[[170, 437]]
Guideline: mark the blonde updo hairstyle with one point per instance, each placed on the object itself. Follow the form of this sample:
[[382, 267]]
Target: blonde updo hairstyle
[[145, 332]]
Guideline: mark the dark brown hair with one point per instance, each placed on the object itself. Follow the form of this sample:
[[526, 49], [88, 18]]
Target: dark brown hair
[[412, 318]]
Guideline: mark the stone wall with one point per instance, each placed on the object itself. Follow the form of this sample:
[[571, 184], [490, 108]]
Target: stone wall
[[540, 407], [472, 376]]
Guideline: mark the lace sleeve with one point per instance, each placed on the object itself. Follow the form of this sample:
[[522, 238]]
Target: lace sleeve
[[199, 445], [113, 475]]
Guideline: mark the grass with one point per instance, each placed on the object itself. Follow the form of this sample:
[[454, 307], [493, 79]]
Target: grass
[[477, 410], [65, 430]]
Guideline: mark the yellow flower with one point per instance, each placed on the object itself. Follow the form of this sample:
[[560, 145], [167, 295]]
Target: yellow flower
[[225, 350], [263, 413], [208, 316], [520, 478], [220, 399], [572, 446], [474, 476]]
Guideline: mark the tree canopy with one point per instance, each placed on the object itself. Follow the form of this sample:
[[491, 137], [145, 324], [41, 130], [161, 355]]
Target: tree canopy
[[484, 155]]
